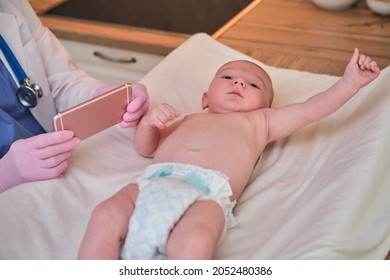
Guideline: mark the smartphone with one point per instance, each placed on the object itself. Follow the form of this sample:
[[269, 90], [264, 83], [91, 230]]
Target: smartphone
[[96, 114]]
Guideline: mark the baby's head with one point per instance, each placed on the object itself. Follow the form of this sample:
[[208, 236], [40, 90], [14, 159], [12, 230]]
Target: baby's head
[[238, 86]]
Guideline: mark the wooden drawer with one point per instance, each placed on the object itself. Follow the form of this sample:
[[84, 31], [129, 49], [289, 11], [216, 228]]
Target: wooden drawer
[[111, 65]]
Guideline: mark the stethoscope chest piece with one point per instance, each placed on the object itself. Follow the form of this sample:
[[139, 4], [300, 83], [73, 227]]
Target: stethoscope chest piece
[[28, 94]]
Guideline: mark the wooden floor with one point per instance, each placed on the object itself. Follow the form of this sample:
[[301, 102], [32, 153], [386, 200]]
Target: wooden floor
[[296, 34]]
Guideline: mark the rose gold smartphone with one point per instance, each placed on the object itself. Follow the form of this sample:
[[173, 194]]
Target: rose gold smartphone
[[96, 114]]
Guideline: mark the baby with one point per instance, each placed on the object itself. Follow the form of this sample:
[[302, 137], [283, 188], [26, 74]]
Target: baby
[[182, 204]]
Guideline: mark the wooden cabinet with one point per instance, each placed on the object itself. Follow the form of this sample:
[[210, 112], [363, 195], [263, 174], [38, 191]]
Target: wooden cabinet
[[111, 65]]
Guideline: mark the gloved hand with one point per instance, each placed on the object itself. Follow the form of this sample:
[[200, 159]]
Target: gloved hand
[[137, 107], [40, 157]]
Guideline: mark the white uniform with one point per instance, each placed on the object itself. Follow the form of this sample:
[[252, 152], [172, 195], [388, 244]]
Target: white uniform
[[44, 60]]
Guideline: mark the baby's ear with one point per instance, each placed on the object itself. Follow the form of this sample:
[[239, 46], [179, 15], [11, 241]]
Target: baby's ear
[[204, 101]]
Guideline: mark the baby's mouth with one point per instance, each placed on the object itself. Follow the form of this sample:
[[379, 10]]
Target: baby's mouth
[[236, 92]]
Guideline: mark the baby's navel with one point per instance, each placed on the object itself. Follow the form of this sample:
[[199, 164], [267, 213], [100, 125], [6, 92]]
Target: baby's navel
[[193, 150]]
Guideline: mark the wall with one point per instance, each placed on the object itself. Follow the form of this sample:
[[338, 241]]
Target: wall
[[183, 16]]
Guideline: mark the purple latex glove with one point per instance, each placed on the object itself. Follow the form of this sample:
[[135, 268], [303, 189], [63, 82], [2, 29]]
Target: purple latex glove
[[137, 107], [40, 157]]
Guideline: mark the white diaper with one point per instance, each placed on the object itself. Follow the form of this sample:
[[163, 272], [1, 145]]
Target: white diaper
[[166, 191]]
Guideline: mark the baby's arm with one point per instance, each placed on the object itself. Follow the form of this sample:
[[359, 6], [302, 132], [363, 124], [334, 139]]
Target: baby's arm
[[148, 132], [360, 71]]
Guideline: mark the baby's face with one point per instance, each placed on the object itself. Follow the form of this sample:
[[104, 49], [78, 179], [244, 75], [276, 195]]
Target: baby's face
[[238, 86]]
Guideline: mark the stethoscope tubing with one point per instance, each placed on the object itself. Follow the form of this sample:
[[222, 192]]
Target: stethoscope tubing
[[13, 62]]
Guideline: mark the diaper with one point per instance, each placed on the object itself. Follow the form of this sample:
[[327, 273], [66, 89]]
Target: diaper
[[166, 191]]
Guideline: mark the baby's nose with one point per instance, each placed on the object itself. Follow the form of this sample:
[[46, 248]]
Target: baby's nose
[[240, 82]]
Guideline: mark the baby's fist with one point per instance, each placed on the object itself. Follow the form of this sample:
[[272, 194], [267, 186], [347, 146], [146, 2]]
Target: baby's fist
[[162, 114]]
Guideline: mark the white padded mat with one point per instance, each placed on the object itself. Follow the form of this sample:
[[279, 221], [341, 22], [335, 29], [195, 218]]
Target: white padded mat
[[323, 193]]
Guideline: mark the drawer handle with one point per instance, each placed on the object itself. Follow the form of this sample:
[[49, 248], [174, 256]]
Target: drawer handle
[[112, 59]]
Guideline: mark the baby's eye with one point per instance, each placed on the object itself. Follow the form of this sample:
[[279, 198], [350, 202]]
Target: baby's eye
[[254, 85], [226, 77]]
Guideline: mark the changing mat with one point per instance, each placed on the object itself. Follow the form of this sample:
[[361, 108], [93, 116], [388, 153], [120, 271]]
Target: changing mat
[[323, 193]]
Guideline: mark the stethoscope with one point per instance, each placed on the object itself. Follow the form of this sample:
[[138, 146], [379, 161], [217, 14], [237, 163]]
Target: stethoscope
[[27, 92]]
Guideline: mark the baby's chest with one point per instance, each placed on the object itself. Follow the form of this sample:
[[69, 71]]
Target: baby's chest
[[221, 131]]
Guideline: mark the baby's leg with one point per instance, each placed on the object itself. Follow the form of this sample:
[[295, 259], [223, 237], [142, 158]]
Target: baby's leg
[[108, 225], [197, 233]]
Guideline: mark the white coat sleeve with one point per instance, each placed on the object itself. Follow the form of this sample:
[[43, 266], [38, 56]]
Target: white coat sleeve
[[68, 84]]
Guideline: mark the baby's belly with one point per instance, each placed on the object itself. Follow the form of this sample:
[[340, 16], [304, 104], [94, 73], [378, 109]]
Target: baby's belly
[[191, 155], [237, 166], [203, 150]]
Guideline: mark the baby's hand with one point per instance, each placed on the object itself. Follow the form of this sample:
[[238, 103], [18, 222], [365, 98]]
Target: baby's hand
[[361, 70], [162, 114]]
